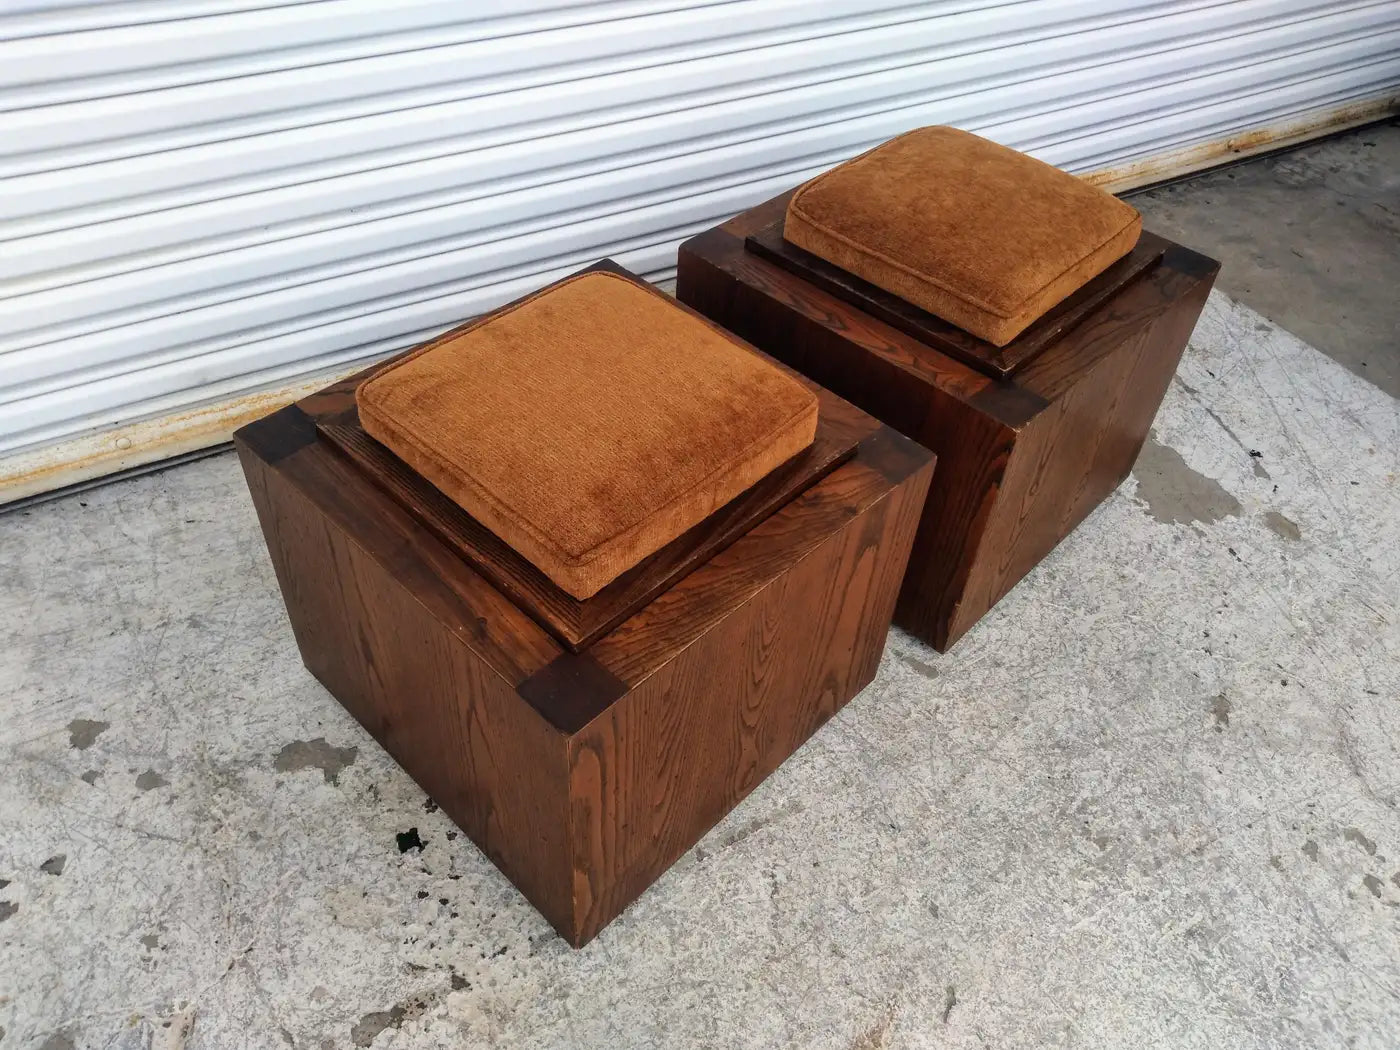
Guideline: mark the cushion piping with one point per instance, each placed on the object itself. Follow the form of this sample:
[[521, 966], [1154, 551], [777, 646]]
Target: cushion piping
[[1005, 313]]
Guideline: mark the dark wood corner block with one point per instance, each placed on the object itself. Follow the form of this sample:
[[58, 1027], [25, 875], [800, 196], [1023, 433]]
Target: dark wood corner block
[[1030, 436], [585, 745]]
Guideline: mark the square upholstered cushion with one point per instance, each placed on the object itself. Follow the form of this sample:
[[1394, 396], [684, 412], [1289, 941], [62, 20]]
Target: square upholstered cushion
[[590, 424], [975, 233]]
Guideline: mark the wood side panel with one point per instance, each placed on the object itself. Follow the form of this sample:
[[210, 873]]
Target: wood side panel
[[665, 763], [450, 720], [1069, 458], [976, 450]]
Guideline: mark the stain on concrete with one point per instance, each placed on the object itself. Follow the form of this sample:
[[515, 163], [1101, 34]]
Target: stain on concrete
[[877, 1036], [315, 754], [1373, 884], [1359, 837], [57, 1041], [1310, 850], [1220, 711], [1276, 862], [4, 883], [918, 666], [151, 941], [459, 982], [1174, 493], [174, 1031], [150, 780], [55, 864], [409, 840], [1282, 526], [7, 909], [90, 776], [83, 733], [950, 1000], [368, 1027]]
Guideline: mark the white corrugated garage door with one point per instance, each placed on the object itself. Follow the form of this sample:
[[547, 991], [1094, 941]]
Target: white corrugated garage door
[[208, 199]]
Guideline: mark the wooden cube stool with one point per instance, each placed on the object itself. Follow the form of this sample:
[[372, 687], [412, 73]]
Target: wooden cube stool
[[585, 742], [1030, 434]]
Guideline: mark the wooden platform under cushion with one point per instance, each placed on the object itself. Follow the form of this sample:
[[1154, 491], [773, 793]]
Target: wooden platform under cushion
[[577, 622], [583, 775]]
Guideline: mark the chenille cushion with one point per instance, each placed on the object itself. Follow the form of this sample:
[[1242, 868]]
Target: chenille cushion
[[590, 424], [978, 234]]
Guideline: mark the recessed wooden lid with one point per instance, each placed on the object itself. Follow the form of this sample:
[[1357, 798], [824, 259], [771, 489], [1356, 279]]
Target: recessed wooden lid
[[590, 424], [999, 362]]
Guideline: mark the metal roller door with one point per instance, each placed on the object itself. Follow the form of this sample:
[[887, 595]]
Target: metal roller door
[[210, 205]]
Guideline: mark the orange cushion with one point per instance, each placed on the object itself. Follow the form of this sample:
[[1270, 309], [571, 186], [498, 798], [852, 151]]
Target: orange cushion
[[978, 234], [590, 424]]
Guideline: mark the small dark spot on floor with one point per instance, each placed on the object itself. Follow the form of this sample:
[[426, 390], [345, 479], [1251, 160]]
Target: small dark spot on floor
[[409, 840], [918, 666], [950, 1000], [1276, 862], [422, 895], [1359, 837], [57, 1041], [1220, 711], [451, 835], [1373, 884], [459, 983], [4, 883], [150, 780], [150, 940], [7, 909], [368, 1027], [1282, 526], [429, 806], [1310, 850], [90, 776], [83, 733], [315, 754], [55, 864]]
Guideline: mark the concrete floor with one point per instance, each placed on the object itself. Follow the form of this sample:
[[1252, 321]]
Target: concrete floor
[[1151, 800], [1310, 238]]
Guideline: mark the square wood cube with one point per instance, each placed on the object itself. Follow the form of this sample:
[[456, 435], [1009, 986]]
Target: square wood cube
[[584, 744], [1030, 435]]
